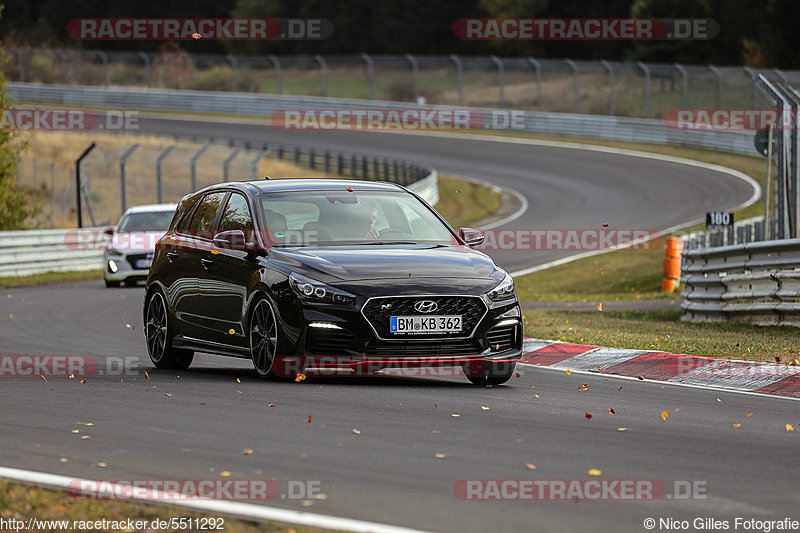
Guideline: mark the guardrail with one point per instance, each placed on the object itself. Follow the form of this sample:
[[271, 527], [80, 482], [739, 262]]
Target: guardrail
[[754, 283], [265, 105], [27, 252]]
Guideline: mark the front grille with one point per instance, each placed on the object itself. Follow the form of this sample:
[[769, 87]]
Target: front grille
[[328, 341], [422, 348], [471, 308], [132, 258], [501, 338]]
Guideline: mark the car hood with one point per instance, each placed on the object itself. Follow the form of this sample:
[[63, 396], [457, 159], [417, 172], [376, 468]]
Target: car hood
[[384, 262]]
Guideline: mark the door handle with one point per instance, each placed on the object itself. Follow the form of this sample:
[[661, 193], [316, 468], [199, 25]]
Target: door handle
[[206, 262], [172, 256]]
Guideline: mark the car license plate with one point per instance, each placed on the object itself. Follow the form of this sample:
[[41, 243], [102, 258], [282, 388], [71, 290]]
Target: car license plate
[[144, 263], [425, 324]]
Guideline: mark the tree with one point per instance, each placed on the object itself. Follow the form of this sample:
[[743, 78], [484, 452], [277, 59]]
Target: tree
[[14, 207]]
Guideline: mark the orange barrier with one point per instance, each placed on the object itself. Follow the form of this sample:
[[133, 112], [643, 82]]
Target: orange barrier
[[672, 264]]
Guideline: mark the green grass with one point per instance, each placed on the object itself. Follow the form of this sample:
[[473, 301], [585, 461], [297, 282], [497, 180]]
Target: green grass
[[463, 202], [21, 502], [663, 331], [49, 277], [624, 275]]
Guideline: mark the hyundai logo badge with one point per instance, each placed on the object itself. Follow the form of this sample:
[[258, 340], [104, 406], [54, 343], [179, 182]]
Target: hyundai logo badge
[[426, 306]]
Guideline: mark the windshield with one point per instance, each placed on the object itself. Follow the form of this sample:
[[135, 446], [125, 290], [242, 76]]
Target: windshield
[[331, 218], [146, 221]]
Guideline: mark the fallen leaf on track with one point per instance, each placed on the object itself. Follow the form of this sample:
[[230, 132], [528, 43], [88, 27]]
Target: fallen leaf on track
[[454, 415], [485, 407], [516, 375], [530, 466], [356, 432], [440, 456], [748, 415], [273, 405], [101, 465], [611, 411], [300, 377], [664, 415], [638, 377], [737, 425], [225, 473], [167, 394], [719, 400], [789, 427], [83, 382], [238, 380], [309, 419], [248, 451], [146, 375], [536, 395], [595, 472], [622, 429], [569, 372], [588, 414]]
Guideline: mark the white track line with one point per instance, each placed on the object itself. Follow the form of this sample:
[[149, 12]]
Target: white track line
[[246, 511]]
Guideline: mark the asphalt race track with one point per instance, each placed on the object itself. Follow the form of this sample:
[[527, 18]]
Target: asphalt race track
[[390, 472]]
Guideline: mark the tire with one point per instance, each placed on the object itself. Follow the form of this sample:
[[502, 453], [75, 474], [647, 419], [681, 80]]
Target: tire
[[111, 283], [264, 338], [158, 333], [491, 373]]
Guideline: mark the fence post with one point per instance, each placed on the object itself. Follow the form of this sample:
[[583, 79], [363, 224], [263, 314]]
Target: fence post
[[227, 162], [235, 68], [122, 160], [161, 157], [20, 63], [500, 79], [459, 77], [415, 75], [646, 87], [576, 83], [684, 85], [52, 190], [612, 96], [191, 70], [104, 59], [538, 68], [195, 157], [63, 57], [370, 75], [752, 75], [146, 61], [276, 64], [323, 72], [718, 74], [254, 164]]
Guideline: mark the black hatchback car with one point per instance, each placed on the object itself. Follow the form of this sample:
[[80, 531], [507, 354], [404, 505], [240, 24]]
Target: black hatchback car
[[331, 275]]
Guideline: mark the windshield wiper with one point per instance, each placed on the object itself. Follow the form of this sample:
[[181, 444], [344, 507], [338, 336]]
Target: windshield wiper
[[380, 243]]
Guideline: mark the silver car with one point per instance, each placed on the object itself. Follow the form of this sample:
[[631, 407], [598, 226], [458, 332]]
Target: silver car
[[129, 252]]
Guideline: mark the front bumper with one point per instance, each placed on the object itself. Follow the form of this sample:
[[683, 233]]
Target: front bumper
[[337, 338], [124, 265]]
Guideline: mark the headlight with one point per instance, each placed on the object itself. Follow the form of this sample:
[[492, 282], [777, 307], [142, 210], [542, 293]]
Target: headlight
[[503, 291], [315, 291]]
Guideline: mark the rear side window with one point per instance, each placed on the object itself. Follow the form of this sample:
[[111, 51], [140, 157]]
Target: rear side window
[[236, 215], [204, 214]]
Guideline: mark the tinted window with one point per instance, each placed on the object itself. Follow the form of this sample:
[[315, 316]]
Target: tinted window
[[236, 215], [204, 214]]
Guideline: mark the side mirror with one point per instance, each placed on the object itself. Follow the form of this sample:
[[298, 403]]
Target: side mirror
[[471, 237], [233, 240], [109, 231]]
